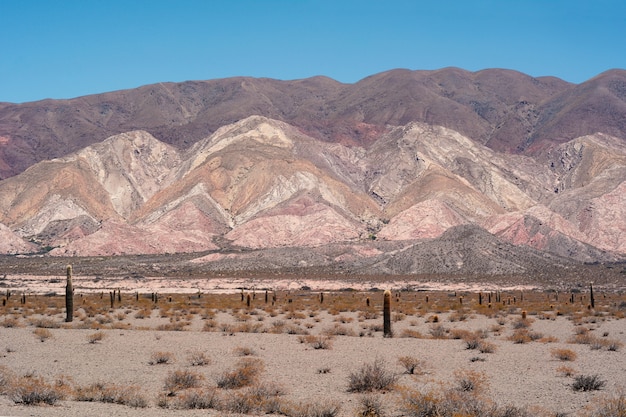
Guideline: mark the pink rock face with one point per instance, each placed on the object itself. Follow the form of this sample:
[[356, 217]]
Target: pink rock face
[[10, 243], [299, 224], [425, 220], [117, 238]]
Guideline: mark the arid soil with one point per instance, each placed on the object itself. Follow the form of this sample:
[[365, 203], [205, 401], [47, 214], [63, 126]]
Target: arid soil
[[307, 349]]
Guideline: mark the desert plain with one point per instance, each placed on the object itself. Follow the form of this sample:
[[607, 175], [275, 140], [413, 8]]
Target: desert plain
[[310, 348]]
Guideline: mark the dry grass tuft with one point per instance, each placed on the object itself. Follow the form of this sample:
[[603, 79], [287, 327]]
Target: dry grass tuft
[[371, 377], [181, 379], [567, 371], [95, 337], [609, 406], [161, 358], [244, 351], [452, 403], [588, 383], [470, 381], [42, 334], [564, 354], [317, 341], [411, 364], [312, 410], [198, 358], [370, 406], [246, 373], [109, 393], [191, 399], [32, 390]]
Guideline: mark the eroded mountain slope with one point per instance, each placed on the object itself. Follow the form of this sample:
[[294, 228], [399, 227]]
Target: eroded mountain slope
[[261, 183]]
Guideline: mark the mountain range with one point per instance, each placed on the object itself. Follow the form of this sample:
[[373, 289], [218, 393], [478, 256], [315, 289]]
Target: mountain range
[[444, 171]]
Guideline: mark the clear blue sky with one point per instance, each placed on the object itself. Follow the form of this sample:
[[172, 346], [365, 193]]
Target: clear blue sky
[[70, 48]]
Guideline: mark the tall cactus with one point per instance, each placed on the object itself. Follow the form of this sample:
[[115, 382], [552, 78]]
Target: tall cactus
[[592, 299], [69, 296], [387, 314]]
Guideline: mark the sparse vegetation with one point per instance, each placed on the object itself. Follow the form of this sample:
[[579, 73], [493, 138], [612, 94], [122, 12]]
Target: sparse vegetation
[[564, 354], [343, 314], [42, 334], [95, 337], [587, 383], [370, 405], [198, 358], [411, 364], [161, 358], [246, 373], [193, 398], [109, 393], [372, 376], [181, 379], [33, 390]]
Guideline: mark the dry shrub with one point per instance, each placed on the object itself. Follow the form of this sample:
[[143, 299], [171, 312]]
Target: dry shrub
[[471, 341], [42, 334], [244, 351], [412, 333], [193, 398], [411, 364], [177, 326], [396, 317], [587, 383], [296, 315], [453, 403], [567, 371], [259, 398], [486, 347], [564, 354], [246, 373], [438, 331], [470, 381], [338, 330], [433, 319], [210, 326], [370, 406], [32, 390], [461, 334], [458, 316], [609, 406], [45, 323], [368, 315], [95, 337], [249, 327], [180, 380], [161, 358], [520, 336], [7, 377], [522, 323], [198, 358], [317, 341], [371, 377], [613, 345], [608, 344], [342, 319], [109, 393], [417, 404], [311, 410], [548, 339], [10, 322]]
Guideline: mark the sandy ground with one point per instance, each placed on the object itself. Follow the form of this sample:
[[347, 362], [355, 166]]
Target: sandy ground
[[523, 375], [39, 284]]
